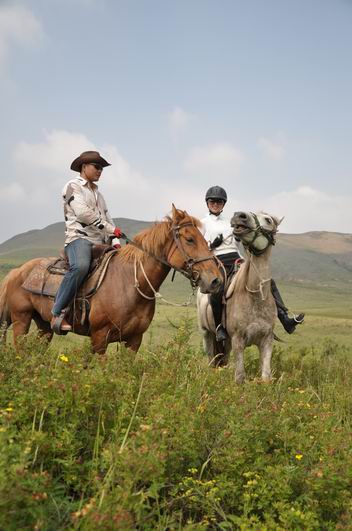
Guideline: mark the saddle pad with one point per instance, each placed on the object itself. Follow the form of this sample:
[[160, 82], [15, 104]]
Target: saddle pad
[[46, 279], [40, 281]]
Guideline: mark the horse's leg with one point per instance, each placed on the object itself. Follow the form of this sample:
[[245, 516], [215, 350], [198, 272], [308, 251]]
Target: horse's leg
[[266, 349], [209, 345], [44, 328], [238, 350], [100, 340], [134, 342], [21, 322]]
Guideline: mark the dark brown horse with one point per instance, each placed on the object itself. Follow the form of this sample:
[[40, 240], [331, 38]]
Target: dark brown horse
[[124, 305]]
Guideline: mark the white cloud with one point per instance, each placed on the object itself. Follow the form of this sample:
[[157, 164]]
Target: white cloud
[[55, 153], [216, 159], [121, 176], [306, 209], [273, 150], [42, 169], [18, 26], [12, 193], [178, 118]]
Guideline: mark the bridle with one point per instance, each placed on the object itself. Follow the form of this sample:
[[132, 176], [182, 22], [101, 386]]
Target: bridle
[[188, 270], [269, 235]]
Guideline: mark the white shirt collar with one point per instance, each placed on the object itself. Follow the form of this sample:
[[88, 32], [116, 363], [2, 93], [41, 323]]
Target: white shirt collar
[[84, 182]]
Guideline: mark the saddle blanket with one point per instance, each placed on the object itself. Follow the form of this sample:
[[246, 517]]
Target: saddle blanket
[[47, 276]]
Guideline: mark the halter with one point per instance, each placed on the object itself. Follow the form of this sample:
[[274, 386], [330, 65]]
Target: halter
[[188, 271], [257, 231]]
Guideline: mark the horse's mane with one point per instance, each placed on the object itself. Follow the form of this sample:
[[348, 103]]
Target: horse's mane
[[154, 238]]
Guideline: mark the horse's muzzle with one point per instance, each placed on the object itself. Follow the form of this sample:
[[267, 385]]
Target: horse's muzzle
[[239, 221], [213, 286]]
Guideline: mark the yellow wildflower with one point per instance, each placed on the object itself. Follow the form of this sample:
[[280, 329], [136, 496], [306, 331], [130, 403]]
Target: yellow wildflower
[[63, 358], [298, 457]]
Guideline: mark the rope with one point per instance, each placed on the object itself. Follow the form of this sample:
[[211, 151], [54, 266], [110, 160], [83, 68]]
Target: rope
[[262, 281], [156, 294]]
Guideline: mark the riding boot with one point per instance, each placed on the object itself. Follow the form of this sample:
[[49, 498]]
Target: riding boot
[[289, 323], [216, 306]]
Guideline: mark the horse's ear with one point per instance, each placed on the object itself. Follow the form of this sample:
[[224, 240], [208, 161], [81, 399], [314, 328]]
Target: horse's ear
[[175, 213], [277, 220]]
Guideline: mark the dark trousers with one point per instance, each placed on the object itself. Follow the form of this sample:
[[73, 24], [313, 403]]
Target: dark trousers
[[228, 261], [79, 254]]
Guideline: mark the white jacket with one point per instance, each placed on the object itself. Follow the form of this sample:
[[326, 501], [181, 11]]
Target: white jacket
[[86, 214], [212, 227]]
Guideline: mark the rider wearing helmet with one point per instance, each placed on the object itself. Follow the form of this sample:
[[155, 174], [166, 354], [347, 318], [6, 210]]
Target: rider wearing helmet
[[219, 235], [218, 232]]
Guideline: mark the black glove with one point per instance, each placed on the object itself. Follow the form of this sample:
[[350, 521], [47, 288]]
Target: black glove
[[216, 242]]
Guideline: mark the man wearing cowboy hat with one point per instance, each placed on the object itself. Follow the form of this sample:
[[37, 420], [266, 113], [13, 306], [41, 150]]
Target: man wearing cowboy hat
[[87, 222]]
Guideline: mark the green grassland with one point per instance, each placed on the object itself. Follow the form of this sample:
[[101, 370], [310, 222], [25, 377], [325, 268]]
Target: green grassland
[[158, 440]]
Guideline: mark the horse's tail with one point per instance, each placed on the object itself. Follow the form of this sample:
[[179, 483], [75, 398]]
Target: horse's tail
[[5, 318]]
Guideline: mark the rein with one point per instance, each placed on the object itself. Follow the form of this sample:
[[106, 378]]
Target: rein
[[262, 281], [188, 271], [156, 294]]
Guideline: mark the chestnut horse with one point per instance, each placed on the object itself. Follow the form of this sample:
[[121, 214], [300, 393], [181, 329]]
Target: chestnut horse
[[123, 307]]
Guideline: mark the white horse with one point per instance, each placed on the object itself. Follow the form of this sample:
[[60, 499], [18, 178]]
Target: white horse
[[250, 307]]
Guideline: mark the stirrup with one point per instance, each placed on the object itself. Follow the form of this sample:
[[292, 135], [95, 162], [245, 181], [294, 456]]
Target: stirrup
[[299, 319], [58, 322]]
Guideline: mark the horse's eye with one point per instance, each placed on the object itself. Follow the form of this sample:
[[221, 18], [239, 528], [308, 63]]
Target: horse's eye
[[269, 220], [189, 240]]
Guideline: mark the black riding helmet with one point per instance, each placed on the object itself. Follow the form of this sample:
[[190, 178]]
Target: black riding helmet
[[216, 192]]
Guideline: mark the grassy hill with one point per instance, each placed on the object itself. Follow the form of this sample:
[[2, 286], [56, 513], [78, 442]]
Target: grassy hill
[[48, 241], [322, 258]]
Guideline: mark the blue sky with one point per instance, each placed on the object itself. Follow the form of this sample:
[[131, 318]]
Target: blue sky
[[179, 95]]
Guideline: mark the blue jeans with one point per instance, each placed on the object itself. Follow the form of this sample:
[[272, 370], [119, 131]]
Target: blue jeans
[[79, 254]]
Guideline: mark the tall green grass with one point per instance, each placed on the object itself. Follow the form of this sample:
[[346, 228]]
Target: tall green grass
[[158, 440]]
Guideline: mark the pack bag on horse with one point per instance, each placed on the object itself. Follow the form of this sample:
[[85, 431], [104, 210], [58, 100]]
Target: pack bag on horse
[[123, 306], [218, 232], [250, 305]]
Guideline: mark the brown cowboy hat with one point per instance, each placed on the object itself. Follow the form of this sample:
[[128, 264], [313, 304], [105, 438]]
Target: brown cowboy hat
[[87, 157]]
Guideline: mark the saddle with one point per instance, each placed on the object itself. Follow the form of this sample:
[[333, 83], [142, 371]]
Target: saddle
[[47, 276]]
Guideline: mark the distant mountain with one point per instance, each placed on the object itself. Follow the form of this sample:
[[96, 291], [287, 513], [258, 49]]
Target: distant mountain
[[48, 241], [323, 258], [318, 257]]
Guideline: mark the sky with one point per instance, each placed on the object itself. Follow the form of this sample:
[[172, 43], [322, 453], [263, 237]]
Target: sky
[[179, 95]]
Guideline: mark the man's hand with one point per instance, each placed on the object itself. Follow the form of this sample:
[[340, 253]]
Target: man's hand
[[117, 232]]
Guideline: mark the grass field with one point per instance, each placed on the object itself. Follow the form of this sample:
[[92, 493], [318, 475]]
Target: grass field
[[158, 440]]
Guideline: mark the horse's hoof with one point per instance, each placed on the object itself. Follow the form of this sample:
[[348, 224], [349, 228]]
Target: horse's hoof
[[266, 380]]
